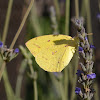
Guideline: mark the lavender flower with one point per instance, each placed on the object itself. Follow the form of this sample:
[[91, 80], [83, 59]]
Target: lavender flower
[[1, 44], [86, 66], [86, 38], [7, 54], [80, 49], [92, 46], [79, 72], [16, 50], [77, 90], [91, 76]]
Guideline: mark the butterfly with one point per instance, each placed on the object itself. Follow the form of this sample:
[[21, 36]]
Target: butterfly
[[53, 52]]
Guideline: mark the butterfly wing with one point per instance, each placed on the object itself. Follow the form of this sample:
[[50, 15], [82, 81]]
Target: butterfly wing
[[52, 52]]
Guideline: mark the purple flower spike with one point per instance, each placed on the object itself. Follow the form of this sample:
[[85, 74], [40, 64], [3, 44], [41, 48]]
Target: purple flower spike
[[77, 90], [91, 76], [92, 46], [80, 49], [16, 50], [1, 44], [79, 72]]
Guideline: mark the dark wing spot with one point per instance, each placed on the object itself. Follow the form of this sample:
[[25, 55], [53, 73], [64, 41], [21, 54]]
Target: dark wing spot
[[36, 45], [48, 40], [66, 45], [54, 52]]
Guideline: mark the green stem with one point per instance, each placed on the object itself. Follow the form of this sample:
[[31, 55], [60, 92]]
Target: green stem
[[34, 82], [2, 69], [35, 90], [55, 83], [8, 88], [35, 22], [96, 96], [31, 69], [74, 76], [67, 33], [57, 9], [62, 91], [83, 10], [20, 77], [88, 14], [67, 20], [77, 8], [66, 76], [7, 20], [70, 71], [22, 24]]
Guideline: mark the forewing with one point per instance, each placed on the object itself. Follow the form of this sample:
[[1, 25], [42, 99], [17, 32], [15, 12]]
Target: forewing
[[36, 44]]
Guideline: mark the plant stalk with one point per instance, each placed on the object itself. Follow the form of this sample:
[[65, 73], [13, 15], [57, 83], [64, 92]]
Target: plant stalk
[[2, 69], [77, 8], [5, 30], [22, 24], [67, 20], [8, 88], [35, 90], [57, 9], [88, 15]]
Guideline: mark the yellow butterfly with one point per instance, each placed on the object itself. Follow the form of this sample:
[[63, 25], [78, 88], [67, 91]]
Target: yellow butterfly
[[53, 52]]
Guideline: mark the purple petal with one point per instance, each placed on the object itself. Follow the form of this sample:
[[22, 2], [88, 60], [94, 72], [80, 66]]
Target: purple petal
[[91, 76], [85, 38], [16, 50], [92, 46], [77, 90], [79, 72], [80, 49], [1, 44]]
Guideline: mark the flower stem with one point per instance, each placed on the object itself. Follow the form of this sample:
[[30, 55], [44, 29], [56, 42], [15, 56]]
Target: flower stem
[[62, 90], [33, 73], [83, 10], [34, 21], [8, 88], [66, 77], [7, 20], [22, 24], [67, 17], [2, 69], [74, 76], [20, 78], [57, 9], [77, 8], [88, 15], [35, 90]]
